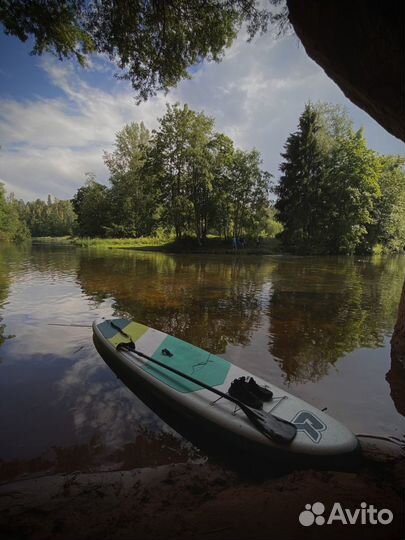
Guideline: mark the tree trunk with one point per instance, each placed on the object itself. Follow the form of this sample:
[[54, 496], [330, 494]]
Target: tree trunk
[[398, 337]]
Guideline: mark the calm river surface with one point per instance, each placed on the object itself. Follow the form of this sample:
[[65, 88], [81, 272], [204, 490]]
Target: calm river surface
[[318, 326]]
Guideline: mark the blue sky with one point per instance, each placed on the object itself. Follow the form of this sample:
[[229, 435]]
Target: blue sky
[[56, 119]]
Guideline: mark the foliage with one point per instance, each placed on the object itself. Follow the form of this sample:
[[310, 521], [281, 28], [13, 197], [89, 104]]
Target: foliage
[[388, 226], [248, 189], [184, 179], [181, 160], [153, 43], [12, 227], [336, 195], [146, 242], [352, 190], [205, 182], [51, 218], [91, 206], [20, 220], [132, 198], [57, 26], [299, 189], [270, 226]]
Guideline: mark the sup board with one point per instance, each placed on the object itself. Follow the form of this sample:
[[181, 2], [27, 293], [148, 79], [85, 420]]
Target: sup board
[[319, 437]]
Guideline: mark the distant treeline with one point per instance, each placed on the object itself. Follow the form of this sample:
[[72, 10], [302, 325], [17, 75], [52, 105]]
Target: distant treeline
[[335, 195], [19, 220]]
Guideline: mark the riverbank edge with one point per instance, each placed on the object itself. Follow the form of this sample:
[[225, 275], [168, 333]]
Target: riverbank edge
[[193, 501], [213, 246]]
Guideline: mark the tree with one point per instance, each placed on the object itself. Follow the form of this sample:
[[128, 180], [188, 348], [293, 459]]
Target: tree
[[222, 164], [388, 225], [181, 158], [12, 228], [351, 191], [91, 206], [185, 177], [153, 43], [204, 181], [248, 191], [300, 182], [329, 184], [132, 197]]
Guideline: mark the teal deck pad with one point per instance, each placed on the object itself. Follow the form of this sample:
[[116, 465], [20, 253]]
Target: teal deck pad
[[191, 360]]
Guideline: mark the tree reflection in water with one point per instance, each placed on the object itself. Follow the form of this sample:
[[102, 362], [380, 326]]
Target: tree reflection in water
[[211, 303], [324, 308]]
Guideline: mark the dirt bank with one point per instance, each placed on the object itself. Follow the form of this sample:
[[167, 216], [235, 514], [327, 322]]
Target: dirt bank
[[193, 501]]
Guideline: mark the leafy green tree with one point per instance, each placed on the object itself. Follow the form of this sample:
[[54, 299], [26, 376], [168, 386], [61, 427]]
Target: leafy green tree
[[12, 228], [264, 224], [182, 158], [132, 197], [222, 166], [388, 224], [248, 193], [153, 43], [3, 211], [352, 190], [241, 192], [92, 208]]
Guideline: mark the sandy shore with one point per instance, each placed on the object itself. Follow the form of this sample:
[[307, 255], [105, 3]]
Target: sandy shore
[[199, 500]]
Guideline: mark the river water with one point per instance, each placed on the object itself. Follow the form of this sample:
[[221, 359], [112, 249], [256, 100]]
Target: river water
[[318, 326]]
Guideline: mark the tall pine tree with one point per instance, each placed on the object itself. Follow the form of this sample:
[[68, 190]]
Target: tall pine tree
[[299, 189]]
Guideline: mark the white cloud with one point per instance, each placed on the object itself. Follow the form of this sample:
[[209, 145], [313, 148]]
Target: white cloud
[[255, 95], [49, 144]]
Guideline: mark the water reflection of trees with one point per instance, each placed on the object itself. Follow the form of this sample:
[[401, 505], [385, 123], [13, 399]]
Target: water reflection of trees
[[210, 302], [25, 263], [324, 308], [320, 309], [11, 258], [56, 261]]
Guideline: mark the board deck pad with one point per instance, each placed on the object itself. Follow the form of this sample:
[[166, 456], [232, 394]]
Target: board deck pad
[[187, 358]]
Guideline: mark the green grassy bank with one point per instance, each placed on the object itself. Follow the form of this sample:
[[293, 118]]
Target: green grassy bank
[[213, 245]]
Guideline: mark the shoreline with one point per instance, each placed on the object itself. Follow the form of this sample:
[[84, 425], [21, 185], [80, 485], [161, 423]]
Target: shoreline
[[196, 501], [213, 246]]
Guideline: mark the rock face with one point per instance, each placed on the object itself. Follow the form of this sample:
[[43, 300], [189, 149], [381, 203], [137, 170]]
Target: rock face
[[361, 46], [398, 337]]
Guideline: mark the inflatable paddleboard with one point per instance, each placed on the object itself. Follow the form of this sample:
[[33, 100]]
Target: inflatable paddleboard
[[319, 437]]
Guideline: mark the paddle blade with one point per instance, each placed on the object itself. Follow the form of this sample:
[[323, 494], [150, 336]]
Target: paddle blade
[[276, 429]]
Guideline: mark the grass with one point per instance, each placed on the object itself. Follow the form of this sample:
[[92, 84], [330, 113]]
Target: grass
[[122, 243], [51, 240], [213, 245]]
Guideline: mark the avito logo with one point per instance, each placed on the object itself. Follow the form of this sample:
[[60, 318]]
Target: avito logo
[[365, 515]]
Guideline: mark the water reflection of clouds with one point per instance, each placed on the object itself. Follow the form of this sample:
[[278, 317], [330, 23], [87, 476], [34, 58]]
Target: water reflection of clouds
[[33, 306], [99, 403]]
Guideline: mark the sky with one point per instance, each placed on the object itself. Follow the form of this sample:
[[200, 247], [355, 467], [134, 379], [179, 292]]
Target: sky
[[56, 118]]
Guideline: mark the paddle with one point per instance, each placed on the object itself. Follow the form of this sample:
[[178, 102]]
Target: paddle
[[273, 427]]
